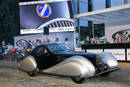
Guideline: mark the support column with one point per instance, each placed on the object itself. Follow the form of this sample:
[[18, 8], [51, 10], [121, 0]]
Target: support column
[[125, 1], [108, 3], [78, 22], [93, 30], [90, 23], [75, 33]]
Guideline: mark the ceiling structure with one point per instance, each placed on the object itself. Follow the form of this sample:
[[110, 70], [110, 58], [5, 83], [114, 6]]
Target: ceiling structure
[[108, 15]]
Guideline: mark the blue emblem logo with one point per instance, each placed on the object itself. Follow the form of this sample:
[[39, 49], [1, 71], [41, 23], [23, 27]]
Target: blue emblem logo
[[43, 10]]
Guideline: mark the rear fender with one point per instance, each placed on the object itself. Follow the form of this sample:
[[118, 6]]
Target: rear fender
[[73, 66]]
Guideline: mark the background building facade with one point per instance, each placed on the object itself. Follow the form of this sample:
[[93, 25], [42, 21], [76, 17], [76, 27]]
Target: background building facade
[[83, 27]]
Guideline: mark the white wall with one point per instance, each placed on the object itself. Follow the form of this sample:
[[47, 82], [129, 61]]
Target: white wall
[[51, 37]]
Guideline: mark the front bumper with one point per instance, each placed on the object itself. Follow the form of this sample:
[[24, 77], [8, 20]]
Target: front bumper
[[106, 71]]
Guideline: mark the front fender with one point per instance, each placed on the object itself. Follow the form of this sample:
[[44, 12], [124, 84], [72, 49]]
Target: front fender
[[109, 59], [28, 64]]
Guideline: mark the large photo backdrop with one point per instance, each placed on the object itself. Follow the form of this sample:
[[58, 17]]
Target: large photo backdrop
[[55, 14]]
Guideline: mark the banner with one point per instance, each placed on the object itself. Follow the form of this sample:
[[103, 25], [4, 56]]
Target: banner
[[21, 41], [118, 53], [94, 50], [128, 54]]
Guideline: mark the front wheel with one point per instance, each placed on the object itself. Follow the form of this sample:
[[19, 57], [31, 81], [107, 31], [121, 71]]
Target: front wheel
[[33, 73], [105, 74], [78, 79]]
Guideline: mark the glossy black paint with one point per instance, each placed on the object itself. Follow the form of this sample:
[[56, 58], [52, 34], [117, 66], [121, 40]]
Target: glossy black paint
[[51, 58]]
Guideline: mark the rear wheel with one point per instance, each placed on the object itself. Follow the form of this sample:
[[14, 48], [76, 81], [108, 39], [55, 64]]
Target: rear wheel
[[78, 79]]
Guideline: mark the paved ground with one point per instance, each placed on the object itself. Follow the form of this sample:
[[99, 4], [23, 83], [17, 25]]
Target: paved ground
[[10, 76]]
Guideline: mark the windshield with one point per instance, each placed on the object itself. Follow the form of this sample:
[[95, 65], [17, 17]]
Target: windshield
[[58, 47]]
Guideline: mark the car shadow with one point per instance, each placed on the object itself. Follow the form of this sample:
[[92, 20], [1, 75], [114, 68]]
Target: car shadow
[[117, 77]]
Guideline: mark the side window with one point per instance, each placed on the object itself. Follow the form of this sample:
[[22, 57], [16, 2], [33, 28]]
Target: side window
[[45, 50], [39, 51]]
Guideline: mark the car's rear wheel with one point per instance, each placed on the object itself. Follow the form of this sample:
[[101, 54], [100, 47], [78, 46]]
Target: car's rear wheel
[[78, 79]]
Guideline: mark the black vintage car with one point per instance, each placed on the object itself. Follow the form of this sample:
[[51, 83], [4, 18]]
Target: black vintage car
[[59, 59]]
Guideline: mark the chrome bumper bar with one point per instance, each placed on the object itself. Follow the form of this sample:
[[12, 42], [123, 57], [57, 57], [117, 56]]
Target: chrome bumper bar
[[110, 70]]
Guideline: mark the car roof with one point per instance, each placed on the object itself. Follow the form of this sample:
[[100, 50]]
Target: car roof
[[44, 44]]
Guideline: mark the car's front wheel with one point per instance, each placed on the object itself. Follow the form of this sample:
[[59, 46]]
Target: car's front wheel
[[105, 74], [33, 73], [78, 79]]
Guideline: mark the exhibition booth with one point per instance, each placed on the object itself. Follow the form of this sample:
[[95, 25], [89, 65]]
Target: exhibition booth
[[116, 21]]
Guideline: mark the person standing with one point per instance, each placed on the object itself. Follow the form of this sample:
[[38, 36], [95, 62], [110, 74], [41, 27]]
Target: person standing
[[37, 42], [4, 47], [128, 41], [9, 47], [11, 52], [116, 41], [87, 40], [95, 40], [66, 41], [29, 45], [98, 41], [105, 41], [57, 40]]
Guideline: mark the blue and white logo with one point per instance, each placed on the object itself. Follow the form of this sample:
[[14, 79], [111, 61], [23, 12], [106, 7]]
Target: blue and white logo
[[43, 10]]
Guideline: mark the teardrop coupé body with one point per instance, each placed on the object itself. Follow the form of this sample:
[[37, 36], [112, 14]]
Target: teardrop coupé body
[[59, 59]]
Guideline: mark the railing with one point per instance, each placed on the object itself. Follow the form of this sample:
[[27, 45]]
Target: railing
[[121, 51]]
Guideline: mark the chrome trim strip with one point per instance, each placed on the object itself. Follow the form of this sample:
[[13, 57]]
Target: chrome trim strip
[[110, 70]]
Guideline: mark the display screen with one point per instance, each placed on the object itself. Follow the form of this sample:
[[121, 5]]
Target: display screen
[[34, 16]]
